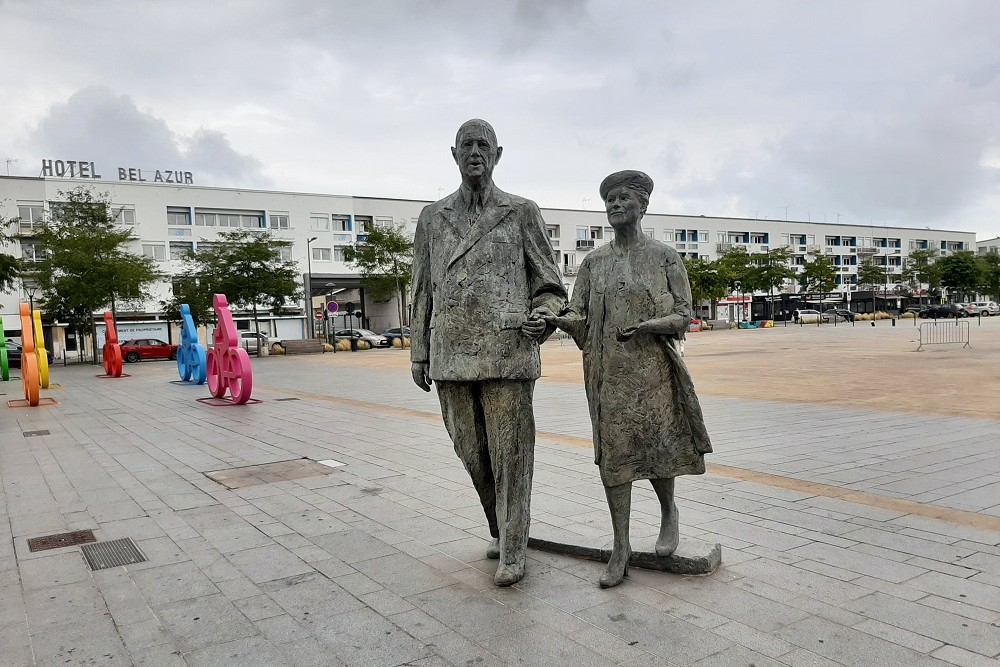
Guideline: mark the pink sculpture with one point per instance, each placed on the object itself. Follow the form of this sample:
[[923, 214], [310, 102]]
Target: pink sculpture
[[228, 363]]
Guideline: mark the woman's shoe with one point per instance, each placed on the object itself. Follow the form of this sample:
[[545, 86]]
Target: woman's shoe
[[617, 570]]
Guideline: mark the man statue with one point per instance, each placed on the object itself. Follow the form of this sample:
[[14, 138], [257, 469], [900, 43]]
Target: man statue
[[483, 279]]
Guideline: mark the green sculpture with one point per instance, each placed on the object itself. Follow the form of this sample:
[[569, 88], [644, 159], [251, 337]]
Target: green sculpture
[[4, 367]]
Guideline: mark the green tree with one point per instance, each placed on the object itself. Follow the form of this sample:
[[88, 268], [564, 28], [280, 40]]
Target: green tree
[[385, 262], [706, 283], [10, 265], [920, 269], [960, 273], [247, 267], [989, 268], [870, 275], [87, 265], [770, 270], [819, 275], [735, 266], [187, 289]]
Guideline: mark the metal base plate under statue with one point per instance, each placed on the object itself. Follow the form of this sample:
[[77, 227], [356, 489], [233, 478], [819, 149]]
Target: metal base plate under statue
[[691, 557]]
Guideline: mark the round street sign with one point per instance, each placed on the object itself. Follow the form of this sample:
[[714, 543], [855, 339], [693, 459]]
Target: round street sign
[[332, 306], [319, 314]]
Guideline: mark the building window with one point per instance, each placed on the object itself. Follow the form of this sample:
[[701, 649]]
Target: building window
[[178, 216], [319, 222], [597, 233], [32, 252], [649, 233], [384, 222], [341, 223], [365, 223], [582, 234], [30, 212], [552, 231], [206, 246], [321, 254], [124, 216], [338, 254], [285, 253], [279, 220], [703, 237], [668, 235], [154, 250], [180, 249]]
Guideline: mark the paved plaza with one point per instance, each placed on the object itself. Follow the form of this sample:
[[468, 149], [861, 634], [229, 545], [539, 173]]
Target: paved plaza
[[850, 536]]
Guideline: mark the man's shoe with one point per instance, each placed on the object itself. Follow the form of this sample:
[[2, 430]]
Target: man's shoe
[[508, 575], [493, 551]]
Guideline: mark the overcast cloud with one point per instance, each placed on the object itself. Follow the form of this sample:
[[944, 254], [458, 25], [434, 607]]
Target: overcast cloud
[[873, 112]]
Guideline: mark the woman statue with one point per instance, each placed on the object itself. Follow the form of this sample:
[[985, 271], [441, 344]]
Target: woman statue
[[630, 308]]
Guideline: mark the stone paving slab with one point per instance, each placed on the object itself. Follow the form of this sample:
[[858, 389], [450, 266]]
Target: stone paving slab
[[867, 540]]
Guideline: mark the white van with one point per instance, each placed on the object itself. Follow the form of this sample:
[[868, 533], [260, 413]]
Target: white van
[[984, 308]]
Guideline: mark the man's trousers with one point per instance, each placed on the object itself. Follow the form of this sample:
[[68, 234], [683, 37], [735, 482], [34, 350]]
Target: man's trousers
[[492, 425]]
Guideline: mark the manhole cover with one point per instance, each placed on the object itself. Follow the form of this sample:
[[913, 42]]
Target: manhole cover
[[286, 399], [61, 540], [30, 434], [269, 473], [104, 555]]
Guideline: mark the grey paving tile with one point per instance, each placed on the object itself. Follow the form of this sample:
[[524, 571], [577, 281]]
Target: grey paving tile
[[170, 583], [203, 622], [352, 546], [56, 569], [15, 646], [251, 652], [363, 638], [940, 625], [92, 642], [311, 597], [849, 647], [960, 590], [269, 563]]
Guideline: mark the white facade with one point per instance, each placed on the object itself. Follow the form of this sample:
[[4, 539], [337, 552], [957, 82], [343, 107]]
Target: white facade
[[988, 246], [168, 219]]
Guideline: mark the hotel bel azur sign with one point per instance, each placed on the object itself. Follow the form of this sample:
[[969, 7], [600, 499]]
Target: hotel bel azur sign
[[83, 169]]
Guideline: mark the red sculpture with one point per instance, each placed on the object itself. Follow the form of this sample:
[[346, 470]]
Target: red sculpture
[[228, 363], [112, 350]]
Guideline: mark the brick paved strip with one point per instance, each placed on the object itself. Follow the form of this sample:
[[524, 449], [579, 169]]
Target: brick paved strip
[[949, 515]]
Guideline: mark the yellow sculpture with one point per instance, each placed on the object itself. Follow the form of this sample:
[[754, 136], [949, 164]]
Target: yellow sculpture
[[40, 353]]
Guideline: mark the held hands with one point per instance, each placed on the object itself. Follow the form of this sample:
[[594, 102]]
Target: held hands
[[420, 370], [624, 334], [534, 327]]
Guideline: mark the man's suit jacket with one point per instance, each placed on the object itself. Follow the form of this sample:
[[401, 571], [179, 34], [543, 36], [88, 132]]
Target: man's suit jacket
[[475, 284]]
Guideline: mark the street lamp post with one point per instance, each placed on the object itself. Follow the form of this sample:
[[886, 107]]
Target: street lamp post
[[30, 289], [308, 286]]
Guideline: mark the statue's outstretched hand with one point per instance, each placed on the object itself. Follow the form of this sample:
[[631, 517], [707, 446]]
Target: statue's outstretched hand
[[421, 374], [534, 327]]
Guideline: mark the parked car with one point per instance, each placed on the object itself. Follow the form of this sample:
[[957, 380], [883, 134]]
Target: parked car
[[942, 311], [251, 340], [985, 308], [842, 313], [14, 353], [967, 307], [138, 349], [913, 309], [393, 334], [808, 315], [374, 339]]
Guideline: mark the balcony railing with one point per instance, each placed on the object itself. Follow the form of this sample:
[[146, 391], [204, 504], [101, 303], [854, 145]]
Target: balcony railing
[[867, 250], [723, 247], [585, 244], [570, 270]]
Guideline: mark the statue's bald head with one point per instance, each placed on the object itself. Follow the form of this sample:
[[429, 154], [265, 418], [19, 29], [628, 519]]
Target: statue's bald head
[[476, 124]]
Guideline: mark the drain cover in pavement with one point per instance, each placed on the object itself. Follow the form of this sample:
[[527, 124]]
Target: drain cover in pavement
[[61, 540], [268, 473], [29, 434], [104, 555]]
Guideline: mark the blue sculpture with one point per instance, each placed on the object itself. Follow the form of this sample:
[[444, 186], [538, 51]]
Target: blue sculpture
[[192, 364]]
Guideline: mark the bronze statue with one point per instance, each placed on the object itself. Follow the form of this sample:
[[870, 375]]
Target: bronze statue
[[483, 280], [630, 307]]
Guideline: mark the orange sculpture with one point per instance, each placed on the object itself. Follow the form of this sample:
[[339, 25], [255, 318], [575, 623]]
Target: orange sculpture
[[29, 360]]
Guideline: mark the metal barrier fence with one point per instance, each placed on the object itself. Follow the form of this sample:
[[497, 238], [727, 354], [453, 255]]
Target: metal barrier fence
[[944, 333]]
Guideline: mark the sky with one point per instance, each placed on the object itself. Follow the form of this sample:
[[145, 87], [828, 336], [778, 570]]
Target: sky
[[876, 112]]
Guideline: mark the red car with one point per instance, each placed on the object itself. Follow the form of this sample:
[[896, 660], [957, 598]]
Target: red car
[[138, 349]]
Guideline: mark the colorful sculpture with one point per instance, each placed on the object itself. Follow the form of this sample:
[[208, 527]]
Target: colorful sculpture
[[4, 367], [40, 353], [112, 350], [192, 364], [228, 363], [29, 360]]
